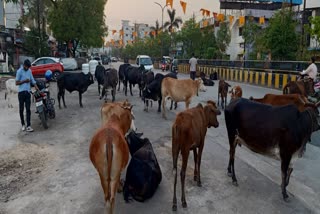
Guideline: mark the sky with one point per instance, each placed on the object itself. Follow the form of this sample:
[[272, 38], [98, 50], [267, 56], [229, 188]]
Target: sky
[[146, 11]]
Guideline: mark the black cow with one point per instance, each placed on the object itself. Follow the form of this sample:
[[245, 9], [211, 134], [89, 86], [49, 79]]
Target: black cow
[[278, 132], [110, 81], [153, 90], [206, 81], [147, 78], [143, 172], [73, 82], [133, 75], [122, 70], [99, 76]]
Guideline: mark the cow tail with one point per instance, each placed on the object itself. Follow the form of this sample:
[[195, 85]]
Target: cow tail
[[109, 157], [5, 94]]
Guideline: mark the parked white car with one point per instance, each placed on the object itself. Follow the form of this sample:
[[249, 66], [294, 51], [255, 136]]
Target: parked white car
[[69, 64], [145, 61]]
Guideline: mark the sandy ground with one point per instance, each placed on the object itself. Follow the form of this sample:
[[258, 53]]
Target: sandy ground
[[49, 171]]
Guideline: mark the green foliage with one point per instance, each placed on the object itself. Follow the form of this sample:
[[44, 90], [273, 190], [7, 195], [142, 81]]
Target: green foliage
[[280, 36], [314, 29], [223, 38], [174, 22], [35, 45], [80, 20]]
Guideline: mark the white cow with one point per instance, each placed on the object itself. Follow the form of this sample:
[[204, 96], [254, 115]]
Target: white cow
[[11, 88]]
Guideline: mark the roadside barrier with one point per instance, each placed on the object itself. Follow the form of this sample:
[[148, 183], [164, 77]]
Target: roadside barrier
[[262, 77]]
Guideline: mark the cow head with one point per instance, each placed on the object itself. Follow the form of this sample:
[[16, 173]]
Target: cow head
[[236, 92], [211, 112], [201, 86], [134, 141], [126, 105]]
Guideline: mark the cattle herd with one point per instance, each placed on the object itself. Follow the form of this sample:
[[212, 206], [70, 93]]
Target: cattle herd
[[278, 126]]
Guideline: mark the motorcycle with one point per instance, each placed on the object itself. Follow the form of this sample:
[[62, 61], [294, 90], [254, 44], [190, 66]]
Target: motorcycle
[[163, 67], [44, 104]]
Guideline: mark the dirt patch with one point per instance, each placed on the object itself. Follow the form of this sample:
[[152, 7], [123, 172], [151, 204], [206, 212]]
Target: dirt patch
[[20, 167]]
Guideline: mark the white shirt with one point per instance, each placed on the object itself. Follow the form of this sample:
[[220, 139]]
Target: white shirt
[[312, 71], [193, 64]]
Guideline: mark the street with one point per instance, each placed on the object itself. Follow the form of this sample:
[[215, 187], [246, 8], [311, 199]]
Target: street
[[49, 171]]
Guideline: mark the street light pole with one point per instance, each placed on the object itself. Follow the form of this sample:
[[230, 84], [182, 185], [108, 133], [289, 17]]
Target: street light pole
[[162, 9]]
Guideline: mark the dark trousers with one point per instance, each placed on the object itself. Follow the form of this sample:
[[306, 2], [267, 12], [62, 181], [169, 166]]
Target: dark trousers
[[193, 75], [24, 99]]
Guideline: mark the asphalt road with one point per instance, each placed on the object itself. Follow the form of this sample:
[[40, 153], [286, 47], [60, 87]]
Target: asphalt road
[[66, 182]]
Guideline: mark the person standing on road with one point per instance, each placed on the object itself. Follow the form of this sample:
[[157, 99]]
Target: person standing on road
[[24, 79], [193, 67]]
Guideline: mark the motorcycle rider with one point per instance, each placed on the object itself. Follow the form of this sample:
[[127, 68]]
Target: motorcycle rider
[[23, 79], [312, 70]]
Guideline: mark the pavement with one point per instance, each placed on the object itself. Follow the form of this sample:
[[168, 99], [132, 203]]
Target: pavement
[[66, 181]]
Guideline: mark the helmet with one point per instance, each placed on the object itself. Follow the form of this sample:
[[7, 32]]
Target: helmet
[[48, 75], [27, 63]]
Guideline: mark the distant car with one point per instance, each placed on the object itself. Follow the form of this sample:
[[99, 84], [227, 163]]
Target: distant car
[[42, 64], [105, 59], [69, 64], [114, 59], [145, 61]]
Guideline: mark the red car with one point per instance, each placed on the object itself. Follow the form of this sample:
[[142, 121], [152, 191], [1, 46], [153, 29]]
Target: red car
[[42, 64]]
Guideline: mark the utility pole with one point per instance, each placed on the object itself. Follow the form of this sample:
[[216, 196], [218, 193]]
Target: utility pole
[[39, 25], [162, 9], [302, 41]]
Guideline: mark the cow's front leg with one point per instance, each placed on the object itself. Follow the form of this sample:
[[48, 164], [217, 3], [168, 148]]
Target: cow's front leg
[[130, 85], [159, 104], [80, 99]]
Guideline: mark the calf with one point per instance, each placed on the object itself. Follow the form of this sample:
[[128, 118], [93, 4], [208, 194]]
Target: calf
[[188, 133], [206, 81], [122, 69], [147, 78], [223, 92], [236, 92], [278, 132], [73, 82], [133, 75], [11, 88], [110, 81], [143, 172], [153, 90], [109, 154], [99, 76], [179, 90]]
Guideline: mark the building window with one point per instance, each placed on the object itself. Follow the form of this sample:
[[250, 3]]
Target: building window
[[126, 28], [240, 31], [126, 35]]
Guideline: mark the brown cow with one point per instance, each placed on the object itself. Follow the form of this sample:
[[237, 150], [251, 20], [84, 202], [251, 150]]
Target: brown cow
[[118, 108], [109, 153], [236, 92], [179, 90], [281, 100], [223, 92], [188, 133], [303, 87]]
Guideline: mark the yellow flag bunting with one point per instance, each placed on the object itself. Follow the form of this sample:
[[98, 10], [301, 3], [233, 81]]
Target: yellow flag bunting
[[169, 2], [231, 19], [221, 17], [184, 6], [241, 20], [114, 31], [261, 20], [205, 12], [134, 34]]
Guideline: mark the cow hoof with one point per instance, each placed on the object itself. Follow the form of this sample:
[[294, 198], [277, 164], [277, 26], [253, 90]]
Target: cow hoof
[[235, 183], [184, 204], [229, 174], [195, 178], [199, 184], [174, 207]]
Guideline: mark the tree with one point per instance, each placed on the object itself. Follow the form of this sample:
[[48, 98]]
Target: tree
[[32, 38], [280, 36], [223, 38], [314, 30], [155, 28], [78, 21], [250, 33], [174, 22]]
